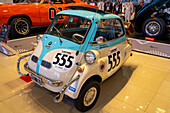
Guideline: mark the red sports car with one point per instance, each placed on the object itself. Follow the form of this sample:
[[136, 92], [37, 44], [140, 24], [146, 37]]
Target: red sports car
[[22, 16]]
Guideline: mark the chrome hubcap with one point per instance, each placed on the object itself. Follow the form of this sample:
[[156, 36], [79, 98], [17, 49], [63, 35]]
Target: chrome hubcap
[[90, 96], [152, 28], [22, 27]]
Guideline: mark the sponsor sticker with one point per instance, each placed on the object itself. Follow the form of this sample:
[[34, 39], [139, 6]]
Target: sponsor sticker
[[72, 89], [102, 66]]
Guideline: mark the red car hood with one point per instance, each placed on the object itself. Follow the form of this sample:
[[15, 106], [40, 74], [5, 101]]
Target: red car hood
[[14, 4]]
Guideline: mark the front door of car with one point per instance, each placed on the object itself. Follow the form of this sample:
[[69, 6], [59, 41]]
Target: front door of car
[[48, 9], [109, 41]]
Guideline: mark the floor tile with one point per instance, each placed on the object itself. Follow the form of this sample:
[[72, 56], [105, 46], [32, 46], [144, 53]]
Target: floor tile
[[116, 106], [159, 62], [160, 104], [149, 78], [152, 72], [11, 88], [22, 103], [4, 108], [145, 82], [165, 89], [168, 77], [135, 96]]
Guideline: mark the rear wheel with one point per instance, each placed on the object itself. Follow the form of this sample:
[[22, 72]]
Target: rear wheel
[[88, 96], [20, 26], [154, 27]]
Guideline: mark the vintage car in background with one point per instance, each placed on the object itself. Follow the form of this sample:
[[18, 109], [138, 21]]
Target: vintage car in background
[[29, 13], [79, 50], [154, 18]]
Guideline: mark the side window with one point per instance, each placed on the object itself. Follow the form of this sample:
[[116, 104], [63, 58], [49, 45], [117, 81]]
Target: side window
[[108, 29], [58, 1], [53, 1]]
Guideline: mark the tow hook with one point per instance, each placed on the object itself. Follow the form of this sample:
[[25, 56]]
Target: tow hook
[[59, 97]]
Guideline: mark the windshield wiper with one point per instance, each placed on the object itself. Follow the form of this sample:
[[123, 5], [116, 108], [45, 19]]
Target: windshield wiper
[[59, 34]]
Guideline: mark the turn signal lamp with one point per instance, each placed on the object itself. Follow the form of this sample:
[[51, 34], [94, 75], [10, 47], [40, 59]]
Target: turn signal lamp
[[33, 48], [80, 69]]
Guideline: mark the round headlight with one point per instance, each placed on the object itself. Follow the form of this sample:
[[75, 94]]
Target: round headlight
[[90, 57]]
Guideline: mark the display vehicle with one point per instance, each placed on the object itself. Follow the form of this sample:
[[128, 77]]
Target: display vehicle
[[154, 18], [79, 50], [30, 13]]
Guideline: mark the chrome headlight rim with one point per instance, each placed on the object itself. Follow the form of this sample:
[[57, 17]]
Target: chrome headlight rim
[[85, 57]]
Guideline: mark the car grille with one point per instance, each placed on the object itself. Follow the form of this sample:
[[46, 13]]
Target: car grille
[[46, 64], [34, 59], [43, 63]]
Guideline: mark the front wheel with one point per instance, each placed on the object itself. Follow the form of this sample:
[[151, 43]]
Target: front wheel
[[153, 27], [20, 26], [88, 96]]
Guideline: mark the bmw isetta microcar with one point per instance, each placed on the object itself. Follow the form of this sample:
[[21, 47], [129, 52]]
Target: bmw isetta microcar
[[79, 50]]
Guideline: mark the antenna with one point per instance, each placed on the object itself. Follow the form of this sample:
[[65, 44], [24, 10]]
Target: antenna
[[95, 13]]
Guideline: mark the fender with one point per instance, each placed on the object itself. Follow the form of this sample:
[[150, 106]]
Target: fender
[[86, 75]]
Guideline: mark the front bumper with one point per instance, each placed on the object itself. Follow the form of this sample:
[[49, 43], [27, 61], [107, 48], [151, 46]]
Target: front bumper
[[48, 81], [59, 97]]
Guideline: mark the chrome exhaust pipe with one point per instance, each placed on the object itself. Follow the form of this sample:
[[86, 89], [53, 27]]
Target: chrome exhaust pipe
[[59, 97], [18, 64]]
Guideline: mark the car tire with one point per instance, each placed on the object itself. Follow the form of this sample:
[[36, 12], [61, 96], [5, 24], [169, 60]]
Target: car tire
[[90, 89], [153, 27], [20, 26]]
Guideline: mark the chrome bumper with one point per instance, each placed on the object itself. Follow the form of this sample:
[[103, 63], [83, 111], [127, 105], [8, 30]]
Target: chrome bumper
[[59, 97], [18, 63], [54, 83]]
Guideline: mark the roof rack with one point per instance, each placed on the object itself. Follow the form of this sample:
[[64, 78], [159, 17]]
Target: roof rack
[[87, 9]]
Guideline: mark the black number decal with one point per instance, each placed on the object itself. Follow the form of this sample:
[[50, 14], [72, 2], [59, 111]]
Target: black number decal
[[65, 58], [51, 9], [116, 60], [118, 57], [110, 62], [58, 59], [70, 62]]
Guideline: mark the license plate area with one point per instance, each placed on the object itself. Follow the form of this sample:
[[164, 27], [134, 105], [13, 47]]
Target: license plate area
[[36, 79]]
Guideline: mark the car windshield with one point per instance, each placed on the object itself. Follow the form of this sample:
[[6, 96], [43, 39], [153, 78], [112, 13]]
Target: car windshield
[[29, 1], [70, 27]]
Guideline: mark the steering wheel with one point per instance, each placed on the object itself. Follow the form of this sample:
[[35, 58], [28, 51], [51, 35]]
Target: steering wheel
[[76, 35]]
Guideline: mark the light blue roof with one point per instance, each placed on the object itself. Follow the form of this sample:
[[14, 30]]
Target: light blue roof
[[88, 14]]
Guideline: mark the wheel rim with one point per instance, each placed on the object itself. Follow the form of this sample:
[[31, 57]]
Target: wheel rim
[[21, 27], [90, 96], [153, 28]]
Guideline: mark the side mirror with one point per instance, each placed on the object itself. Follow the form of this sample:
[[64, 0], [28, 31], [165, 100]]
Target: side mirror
[[99, 40]]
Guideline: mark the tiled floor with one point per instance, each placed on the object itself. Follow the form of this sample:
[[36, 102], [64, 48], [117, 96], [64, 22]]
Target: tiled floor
[[142, 85]]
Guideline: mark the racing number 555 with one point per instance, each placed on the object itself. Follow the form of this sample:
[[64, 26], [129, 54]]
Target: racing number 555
[[116, 60], [64, 58]]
